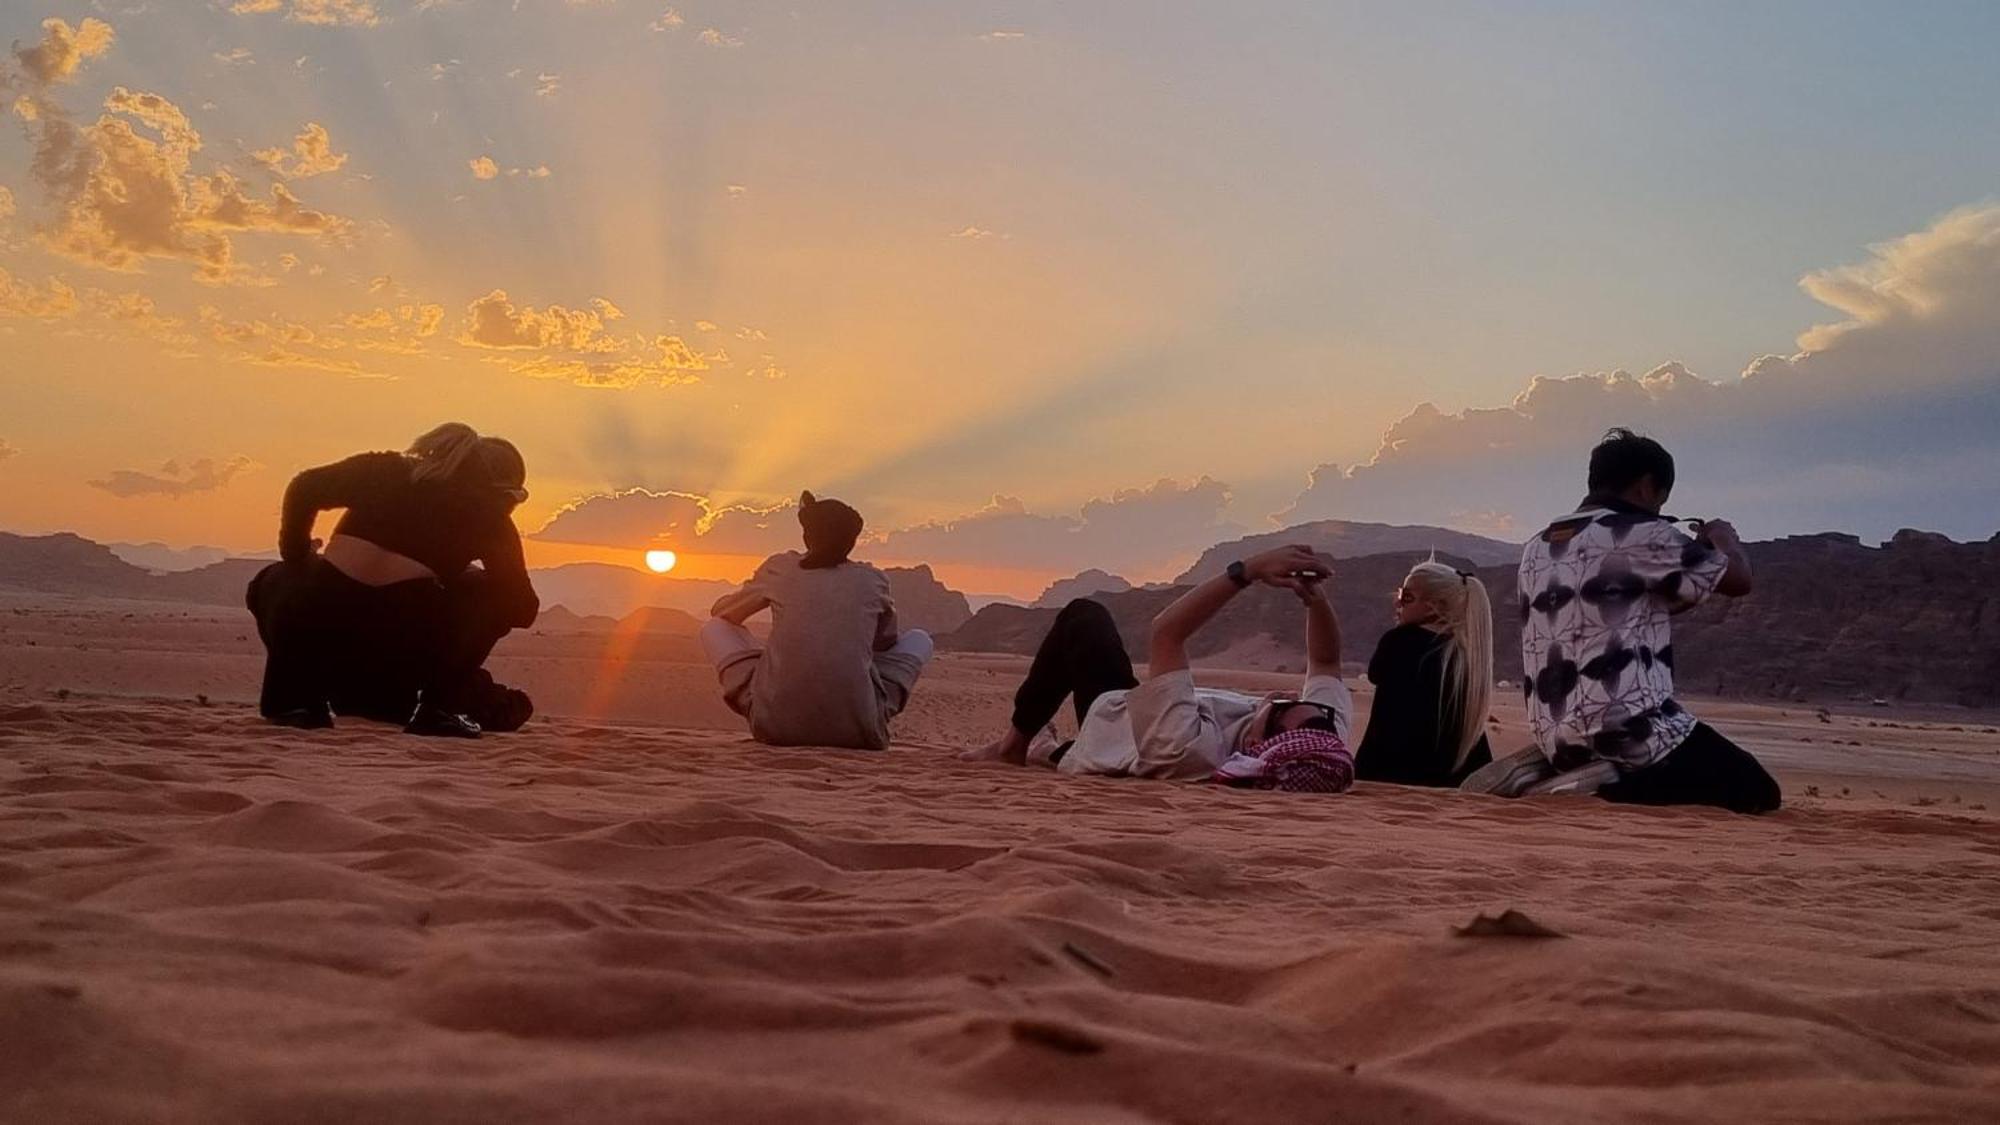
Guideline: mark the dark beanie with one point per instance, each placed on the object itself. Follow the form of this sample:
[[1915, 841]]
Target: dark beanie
[[831, 529]]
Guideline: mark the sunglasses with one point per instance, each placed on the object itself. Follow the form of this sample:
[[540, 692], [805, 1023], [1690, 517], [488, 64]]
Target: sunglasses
[[1281, 705]]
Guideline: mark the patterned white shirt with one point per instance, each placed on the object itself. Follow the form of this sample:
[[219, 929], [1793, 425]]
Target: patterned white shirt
[[1598, 588]]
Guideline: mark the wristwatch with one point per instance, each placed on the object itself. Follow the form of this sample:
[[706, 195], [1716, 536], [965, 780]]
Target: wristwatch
[[1237, 575]]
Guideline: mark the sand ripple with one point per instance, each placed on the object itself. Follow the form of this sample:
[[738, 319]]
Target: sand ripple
[[202, 919]]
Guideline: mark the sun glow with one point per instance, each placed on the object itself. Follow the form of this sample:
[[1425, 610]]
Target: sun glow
[[660, 562]]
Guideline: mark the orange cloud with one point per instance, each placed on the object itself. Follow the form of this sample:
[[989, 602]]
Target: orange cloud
[[52, 300], [311, 155], [124, 189], [325, 13], [493, 321], [174, 479], [63, 49]]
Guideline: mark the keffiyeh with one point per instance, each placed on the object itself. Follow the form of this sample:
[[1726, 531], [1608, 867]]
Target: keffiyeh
[[1300, 761]]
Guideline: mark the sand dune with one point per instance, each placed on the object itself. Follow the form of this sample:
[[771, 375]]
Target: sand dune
[[203, 918]]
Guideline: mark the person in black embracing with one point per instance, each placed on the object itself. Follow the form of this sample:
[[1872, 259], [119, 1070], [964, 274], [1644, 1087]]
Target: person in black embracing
[[1433, 677], [391, 621]]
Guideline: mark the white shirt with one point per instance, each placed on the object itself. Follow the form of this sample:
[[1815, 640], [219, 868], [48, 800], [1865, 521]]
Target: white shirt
[[1169, 728], [1597, 591]]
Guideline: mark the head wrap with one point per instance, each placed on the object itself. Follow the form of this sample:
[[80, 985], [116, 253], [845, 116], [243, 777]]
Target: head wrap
[[831, 529], [1305, 760]]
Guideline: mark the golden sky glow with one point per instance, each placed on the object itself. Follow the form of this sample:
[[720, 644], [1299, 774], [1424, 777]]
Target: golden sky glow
[[991, 275]]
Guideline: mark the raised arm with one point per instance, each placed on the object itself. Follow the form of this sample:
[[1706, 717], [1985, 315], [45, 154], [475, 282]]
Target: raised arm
[[1737, 580], [1285, 567], [1322, 629]]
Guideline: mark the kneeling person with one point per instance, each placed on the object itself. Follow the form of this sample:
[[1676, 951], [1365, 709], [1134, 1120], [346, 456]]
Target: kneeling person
[[836, 669], [1169, 728]]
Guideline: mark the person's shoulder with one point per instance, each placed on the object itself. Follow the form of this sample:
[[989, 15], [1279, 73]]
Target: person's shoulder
[[1408, 642]]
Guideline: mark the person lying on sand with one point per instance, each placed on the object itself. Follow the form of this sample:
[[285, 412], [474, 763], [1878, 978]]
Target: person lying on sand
[[1433, 677], [837, 669], [1598, 589], [392, 621], [1168, 727]]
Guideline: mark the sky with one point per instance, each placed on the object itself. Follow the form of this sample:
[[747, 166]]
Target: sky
[[1037, 286]]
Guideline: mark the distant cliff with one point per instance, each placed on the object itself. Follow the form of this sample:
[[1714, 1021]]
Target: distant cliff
[[1916, 619], [1349, 539]]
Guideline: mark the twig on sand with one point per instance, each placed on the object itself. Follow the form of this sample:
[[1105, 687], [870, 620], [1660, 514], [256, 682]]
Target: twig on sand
[[1512, 923], [1083, 957]]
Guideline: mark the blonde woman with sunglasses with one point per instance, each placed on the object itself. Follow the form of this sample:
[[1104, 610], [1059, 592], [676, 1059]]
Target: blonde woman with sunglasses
[[392, 621], [1433, 677]]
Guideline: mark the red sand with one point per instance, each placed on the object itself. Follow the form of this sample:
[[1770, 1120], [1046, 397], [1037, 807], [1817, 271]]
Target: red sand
[[203, 918]]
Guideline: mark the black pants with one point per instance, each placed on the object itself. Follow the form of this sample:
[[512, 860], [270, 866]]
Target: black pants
[[371, 650], [1082, 658], [1705, 769]]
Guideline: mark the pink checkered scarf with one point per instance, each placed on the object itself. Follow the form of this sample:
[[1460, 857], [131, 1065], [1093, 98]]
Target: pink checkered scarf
[[1299, 761]]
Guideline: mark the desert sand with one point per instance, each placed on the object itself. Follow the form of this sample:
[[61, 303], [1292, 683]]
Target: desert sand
[[630, 912]]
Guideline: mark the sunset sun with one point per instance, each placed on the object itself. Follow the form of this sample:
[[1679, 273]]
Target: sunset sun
[[660, 562]]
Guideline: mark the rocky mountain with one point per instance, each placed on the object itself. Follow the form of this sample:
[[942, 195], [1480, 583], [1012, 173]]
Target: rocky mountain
[[1916, 619], [162, 559], [1088, 584], [1362, 596], [923, 602], [70, 564], [1348, 539]]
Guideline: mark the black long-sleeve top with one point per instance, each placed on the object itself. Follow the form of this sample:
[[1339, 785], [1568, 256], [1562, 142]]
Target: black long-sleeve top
[[440, 524], [1408, 741]]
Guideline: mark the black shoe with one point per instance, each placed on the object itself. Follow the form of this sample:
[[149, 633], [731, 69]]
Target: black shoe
[[436, 722], [501, 709], [317, 716]]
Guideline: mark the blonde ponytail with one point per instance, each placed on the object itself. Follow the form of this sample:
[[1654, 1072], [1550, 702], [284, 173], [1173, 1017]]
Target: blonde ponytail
[[1465, 614], [440, 453]]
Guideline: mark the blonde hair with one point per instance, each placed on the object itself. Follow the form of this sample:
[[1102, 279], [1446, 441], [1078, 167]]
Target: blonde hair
[[441, 453], [1465, 616]]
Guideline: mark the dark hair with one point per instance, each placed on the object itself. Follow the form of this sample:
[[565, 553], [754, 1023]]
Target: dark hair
[[831, 530], [1624, 458]]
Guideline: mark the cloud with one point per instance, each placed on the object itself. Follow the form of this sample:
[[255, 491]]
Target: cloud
[[235, 56], [401, 329], [6, 204], [574, 345], [976, 234], [51, 300], [1139, 532], [546, 85], [670, 20], [124, 189], [63, 49], [6, 450], [484, 168], [710, 37], [1146, 530], [323, 13], [1004, 36], [493, 321], [683, 521], [174, 479], [1884, 418], [311, 155]]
